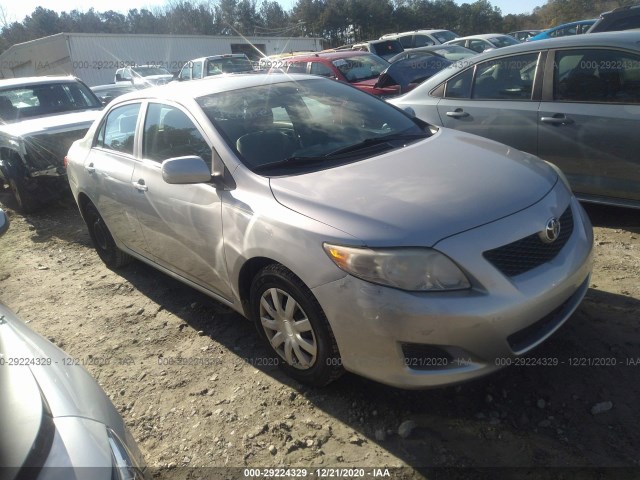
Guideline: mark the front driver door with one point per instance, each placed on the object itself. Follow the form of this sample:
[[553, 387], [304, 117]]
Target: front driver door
[[182, 224]]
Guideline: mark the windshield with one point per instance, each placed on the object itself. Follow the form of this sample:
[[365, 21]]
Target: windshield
[[386, 48], [149, 71], [454, 52], [228, 65], [361, 67], [306, 125], [444, 36], [503, 41], [28, 101]]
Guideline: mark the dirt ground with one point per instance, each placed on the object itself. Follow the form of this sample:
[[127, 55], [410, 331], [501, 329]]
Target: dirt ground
[[225, 405]]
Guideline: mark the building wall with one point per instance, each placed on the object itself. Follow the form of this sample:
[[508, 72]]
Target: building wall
[[95, 58]]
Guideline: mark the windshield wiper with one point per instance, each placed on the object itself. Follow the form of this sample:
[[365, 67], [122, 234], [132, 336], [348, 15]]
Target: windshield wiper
[[289, 162], [368, 142], [296, 161]]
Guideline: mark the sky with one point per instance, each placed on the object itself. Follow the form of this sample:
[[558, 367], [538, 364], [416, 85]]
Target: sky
[[16, 10]]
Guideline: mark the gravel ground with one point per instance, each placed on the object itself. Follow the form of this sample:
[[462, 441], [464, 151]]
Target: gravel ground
[[197, 389]]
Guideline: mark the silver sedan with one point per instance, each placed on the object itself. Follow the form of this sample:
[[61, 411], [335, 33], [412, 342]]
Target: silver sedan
[[356, 237], [574, 101]]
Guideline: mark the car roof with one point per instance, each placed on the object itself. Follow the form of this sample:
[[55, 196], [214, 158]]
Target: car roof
[[625, 39], [579, 22], [482, 35], [181, 91], [16, 82], [330, 55], [222, 55], [411, 32]]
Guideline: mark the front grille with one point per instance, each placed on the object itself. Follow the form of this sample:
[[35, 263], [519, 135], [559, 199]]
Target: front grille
[[530, 252]]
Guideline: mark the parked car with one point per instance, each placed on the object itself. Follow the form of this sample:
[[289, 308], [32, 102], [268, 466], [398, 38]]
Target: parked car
[[215, 65], [487, 41], [573, 28], [452, 53], [143, 75], [355, 236], [524, 35], [56, 421], [574, 101], [108, 92], [622, 18], [360, 69], [421, 38], [386, 48], [40, 118]]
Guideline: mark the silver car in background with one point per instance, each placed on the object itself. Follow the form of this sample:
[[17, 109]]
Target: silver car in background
[[355, 236], [56, 422], [573, 101]]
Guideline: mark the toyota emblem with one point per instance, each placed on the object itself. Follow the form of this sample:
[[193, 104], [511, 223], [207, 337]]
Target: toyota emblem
[[551, 231]]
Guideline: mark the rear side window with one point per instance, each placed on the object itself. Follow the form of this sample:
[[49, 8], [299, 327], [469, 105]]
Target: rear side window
[[460, 85], [597, 76], [169, 133], [118, 129]]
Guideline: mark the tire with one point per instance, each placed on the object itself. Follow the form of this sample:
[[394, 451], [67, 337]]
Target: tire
[[102, 240], [297, 334], [25, 201]]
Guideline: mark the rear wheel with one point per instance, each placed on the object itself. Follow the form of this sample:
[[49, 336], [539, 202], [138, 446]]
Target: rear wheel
[[102, 240], [294, 326]]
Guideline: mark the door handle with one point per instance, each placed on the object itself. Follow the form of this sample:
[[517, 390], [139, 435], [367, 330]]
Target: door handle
[[457, 113], [140, 186], [90, 168], [557, 119]]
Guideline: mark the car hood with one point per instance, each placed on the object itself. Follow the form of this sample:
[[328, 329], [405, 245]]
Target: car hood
[[69, 390], [51, 123], [421, 193]]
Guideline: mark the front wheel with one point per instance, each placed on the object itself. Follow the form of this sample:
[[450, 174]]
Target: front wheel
[[294, 326], [102, 240], [25, 201]]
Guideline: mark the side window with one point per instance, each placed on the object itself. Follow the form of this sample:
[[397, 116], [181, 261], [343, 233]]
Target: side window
[[126, 74], [597, 76], [405, 41], [118, 129], [197, 70], [168, 133], [318, 68], [509, 78], [460, 85], [423, 41]]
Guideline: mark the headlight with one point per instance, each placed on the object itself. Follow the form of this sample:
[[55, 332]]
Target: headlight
[[560, 174], [124, 465], [413, 269]]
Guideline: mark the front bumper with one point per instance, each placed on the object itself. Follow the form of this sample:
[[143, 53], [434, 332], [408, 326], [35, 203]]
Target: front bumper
[[419, 340]]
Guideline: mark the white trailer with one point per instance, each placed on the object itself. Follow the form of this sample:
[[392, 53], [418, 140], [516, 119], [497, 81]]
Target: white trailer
[[94, 58]]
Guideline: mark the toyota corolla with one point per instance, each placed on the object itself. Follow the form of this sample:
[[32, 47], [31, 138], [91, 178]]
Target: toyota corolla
[[356, 237]]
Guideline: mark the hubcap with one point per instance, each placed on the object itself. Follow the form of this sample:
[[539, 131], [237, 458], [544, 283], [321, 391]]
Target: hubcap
[[288, 328], [100, 234]]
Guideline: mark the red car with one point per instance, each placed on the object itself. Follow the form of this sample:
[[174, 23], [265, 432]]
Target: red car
[[360, 69]]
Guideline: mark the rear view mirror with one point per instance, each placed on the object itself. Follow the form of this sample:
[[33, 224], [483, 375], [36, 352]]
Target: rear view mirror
[[4, 222]]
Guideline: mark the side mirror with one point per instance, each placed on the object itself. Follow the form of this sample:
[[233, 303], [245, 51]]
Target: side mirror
[[119, 77], [4, 222], [185, 170]]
